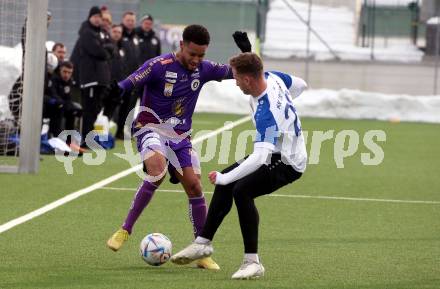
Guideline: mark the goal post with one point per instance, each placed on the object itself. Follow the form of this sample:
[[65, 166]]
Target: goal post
[[21, 103], [33, 82]]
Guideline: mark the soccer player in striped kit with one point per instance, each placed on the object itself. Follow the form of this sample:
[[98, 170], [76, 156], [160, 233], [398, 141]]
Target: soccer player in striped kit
[[279, 158]]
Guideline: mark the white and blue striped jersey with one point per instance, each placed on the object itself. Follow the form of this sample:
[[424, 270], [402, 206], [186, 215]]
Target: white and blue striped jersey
[[276, 120]]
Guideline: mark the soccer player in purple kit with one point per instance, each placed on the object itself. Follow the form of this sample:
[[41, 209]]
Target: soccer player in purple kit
[[172, 84]]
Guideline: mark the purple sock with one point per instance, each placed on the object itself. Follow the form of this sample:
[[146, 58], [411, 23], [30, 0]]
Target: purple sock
[[197, 214], [141, 199]]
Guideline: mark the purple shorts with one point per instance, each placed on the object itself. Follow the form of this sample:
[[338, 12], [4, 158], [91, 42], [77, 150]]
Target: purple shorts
[[179, 153]]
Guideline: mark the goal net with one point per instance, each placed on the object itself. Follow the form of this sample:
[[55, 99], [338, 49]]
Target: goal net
[[12, 21]]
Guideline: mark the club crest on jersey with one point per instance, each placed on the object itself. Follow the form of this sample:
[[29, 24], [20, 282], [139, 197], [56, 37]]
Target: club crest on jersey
[[195, 84], [168, 90]]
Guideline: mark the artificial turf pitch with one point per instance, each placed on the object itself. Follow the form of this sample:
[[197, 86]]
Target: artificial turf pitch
[[304, 242]]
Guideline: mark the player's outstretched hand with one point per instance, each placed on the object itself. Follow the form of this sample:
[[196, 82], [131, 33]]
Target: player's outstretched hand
[[212, 177], [242, 41]]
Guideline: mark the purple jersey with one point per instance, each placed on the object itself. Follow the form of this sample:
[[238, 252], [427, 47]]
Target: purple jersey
[[171, 90]]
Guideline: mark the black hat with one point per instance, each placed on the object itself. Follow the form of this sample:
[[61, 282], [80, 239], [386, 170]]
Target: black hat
[[94, 10], [146, 17]]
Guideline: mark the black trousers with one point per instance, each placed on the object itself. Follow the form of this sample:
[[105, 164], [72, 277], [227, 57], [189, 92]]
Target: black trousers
[[69, 111], [128, 103], [92, 102], [265, 180]]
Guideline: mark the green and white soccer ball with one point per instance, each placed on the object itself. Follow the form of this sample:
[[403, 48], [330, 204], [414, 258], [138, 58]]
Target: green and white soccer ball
[[155, 249]]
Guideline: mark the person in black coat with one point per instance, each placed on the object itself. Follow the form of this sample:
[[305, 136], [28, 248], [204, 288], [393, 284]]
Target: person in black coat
[[130, 44], [149, 43], [94, 69], [117, 68]]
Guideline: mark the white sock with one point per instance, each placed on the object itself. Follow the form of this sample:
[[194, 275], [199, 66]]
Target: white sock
[[252, 257], [201, 240]]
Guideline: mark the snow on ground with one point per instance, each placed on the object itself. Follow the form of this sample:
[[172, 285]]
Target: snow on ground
[[226, 97], [10, 69], [286, 35], [392, 2]]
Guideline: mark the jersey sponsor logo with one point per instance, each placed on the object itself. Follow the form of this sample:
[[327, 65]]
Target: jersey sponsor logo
[[168, 90], [171, 80], [166, 61], [195, 84], [195, 75], [170, 74], [138, 77], [178, 107], [66, 89]]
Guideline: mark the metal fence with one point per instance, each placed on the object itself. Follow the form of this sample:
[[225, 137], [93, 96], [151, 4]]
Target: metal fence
[[374, 45]]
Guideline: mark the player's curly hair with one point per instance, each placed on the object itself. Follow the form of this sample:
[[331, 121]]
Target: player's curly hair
[[197, 34], [247, 63]]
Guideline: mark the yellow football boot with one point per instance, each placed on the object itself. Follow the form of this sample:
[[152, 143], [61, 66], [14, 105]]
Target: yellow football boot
[[117, 240], [207, 263]]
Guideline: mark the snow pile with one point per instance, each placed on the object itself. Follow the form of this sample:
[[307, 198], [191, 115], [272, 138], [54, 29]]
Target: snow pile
[[223, 97], [10, 70], [226, 97], [392, 2], [355, 104], [286, 35]]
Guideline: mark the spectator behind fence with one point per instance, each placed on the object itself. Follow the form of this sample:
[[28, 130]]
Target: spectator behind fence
[[130, 44], [94, 69], [59, 104], [149, 43]]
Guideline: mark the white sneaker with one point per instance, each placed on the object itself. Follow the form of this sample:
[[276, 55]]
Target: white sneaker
[[249, 270], [192, 252]]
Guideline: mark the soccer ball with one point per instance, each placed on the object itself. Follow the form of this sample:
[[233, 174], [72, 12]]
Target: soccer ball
[[155, 249]]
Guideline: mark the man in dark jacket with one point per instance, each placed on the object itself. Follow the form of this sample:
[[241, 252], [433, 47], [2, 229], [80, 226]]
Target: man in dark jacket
[[117, 68], [130, 41], [149, 43], [94, 76], [58, 103], [130, 44]]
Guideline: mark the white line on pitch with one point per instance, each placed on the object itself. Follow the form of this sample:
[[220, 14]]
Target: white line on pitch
[[299, 196], [70, 197]]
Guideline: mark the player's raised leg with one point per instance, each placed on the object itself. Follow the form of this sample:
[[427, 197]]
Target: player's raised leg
[[155, 164]]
